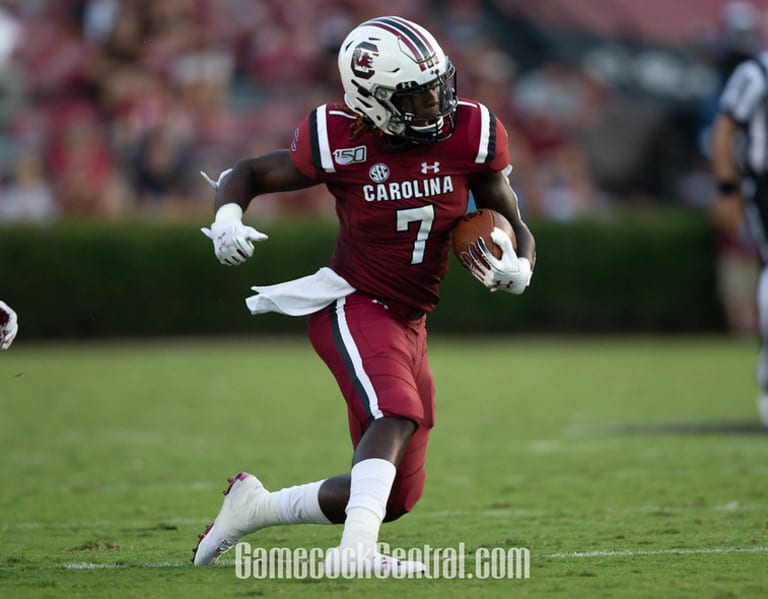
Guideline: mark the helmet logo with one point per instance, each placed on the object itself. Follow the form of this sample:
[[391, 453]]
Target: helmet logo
[[379, 172], [362, 60]]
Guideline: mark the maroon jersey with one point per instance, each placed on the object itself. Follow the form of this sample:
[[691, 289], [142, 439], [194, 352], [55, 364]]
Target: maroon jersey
[[397, 208]]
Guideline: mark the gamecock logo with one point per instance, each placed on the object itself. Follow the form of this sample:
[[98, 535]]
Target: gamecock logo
[[362, 60]]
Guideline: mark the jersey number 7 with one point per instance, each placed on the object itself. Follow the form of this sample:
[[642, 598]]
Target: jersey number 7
[[425, 216]]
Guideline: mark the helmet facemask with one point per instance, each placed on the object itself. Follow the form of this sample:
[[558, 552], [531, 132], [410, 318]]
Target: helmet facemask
[[424, 113]]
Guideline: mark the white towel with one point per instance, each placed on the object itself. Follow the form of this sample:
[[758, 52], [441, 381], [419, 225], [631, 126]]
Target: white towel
[[300, 296]]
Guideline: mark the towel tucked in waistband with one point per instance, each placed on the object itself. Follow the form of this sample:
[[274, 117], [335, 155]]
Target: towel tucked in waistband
[[300, 297]]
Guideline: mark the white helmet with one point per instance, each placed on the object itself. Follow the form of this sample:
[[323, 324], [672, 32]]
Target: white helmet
[[386, 61]]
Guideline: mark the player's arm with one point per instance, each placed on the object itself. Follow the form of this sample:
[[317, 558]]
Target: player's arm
[[235, 188], [728, 209], [493, 191], [270, 173]]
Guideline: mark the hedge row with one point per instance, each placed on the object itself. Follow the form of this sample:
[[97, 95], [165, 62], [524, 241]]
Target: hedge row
[[641, 274]]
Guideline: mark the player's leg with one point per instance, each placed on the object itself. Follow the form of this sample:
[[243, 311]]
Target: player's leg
[[386, 438], [411, 472], [409, 482], [756, 214], [762, 370], [375, 359], [411, 475], [372, 357], [406, 490]]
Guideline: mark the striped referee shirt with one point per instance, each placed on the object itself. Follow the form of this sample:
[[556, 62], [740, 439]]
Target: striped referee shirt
[[745, 99]]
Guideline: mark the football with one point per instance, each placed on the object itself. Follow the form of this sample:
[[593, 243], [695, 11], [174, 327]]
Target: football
[[475, 225]]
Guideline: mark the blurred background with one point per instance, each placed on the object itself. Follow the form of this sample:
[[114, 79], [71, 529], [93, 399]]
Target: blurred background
[[110, 108]]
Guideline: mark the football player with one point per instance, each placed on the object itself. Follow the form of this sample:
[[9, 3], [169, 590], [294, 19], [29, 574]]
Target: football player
[[401, 156], [9, 325]]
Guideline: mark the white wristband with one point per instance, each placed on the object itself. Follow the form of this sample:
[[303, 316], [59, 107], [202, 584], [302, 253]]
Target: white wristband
[[229, 212]]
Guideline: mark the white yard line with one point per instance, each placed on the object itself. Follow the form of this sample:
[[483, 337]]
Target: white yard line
[[641, 552], [95, 566]]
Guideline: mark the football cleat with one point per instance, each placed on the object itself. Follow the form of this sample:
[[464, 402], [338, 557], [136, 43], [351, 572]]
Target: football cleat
[[242, 512], [348, 563]]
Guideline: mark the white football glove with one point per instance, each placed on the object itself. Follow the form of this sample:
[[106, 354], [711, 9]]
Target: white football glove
[[508, 273], [9, 325], [231, 238]]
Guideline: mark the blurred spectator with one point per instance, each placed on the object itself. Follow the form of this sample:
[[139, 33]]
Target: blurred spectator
[[741, 24], [161, 168], [79, 159], [28, 198], [553, 106]]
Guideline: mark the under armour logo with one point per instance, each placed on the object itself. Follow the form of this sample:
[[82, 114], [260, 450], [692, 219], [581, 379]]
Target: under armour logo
[[426, 167]]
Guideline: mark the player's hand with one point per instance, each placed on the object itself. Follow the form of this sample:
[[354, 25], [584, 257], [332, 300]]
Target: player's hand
[[508, 273], [9, 325], [232, 240]]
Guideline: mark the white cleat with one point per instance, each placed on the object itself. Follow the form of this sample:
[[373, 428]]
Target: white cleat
[[239, 515], [762, 408], [348, 563]]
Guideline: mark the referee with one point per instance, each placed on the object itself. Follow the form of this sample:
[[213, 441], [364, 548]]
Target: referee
[[740, 168]]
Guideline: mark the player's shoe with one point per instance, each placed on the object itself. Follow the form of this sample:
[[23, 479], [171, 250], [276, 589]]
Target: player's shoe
[[349, 563], [242, 512], [762, 408]]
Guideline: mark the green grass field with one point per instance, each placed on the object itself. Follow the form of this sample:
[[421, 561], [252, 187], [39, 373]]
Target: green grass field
[[628, 467]]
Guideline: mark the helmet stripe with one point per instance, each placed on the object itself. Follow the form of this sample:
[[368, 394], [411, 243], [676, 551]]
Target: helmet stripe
[[410, 26], [408, 29], [413, 42]]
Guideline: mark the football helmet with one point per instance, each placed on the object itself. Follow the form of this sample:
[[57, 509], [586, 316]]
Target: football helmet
[[398, 79]]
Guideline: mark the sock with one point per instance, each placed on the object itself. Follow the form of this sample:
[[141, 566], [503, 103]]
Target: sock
[[299, 504], [371, 483]]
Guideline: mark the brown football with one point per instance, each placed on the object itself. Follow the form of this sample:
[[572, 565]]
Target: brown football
[[475, 225]]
